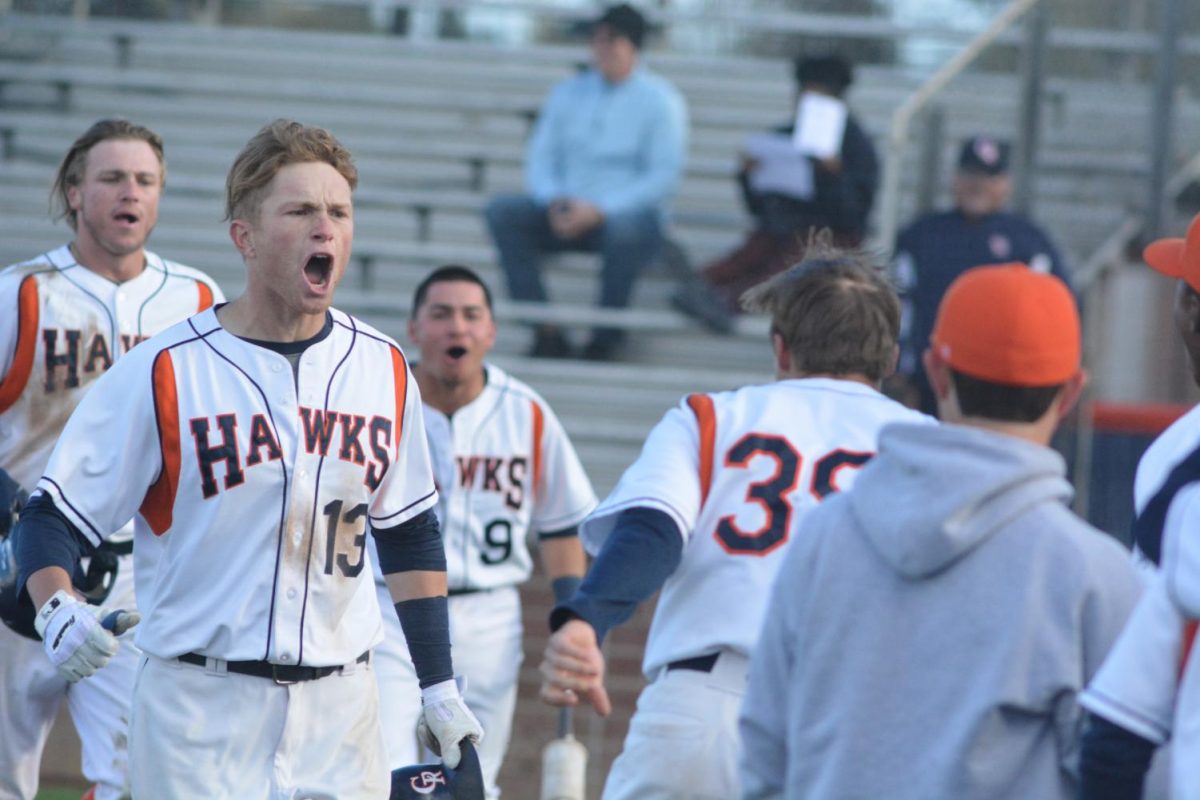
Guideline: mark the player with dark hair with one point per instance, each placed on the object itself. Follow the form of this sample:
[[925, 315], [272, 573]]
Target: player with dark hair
[[66, 316], [838, 198], [259, 444], [930, 629], [707, 513], [505, 469]]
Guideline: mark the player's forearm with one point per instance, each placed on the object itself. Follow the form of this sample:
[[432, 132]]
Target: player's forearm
[[1113, 762], [415, 584], [639, 555], [43, 584], [563, 555]]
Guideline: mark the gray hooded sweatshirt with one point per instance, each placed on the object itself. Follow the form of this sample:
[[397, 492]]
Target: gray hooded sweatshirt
[[929, 629]]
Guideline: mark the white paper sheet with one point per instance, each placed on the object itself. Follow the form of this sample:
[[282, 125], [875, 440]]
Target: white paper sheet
[[781, 168], [820, 125]]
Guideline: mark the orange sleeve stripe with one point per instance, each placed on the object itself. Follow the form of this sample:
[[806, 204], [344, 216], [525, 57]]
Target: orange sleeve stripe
[[27, 325], [206, 296], [400, 371], [1189, 638], [539, 425], [159, 504], [706, 418]]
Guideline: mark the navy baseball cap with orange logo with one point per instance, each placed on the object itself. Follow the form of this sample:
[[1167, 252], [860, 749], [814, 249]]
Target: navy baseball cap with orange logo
[[1177, 258], [1006, 324]]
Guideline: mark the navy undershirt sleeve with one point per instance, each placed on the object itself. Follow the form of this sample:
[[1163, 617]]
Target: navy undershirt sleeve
[[45, 538], [426, 624], [412, 545], [639, 555], [1113, 762]]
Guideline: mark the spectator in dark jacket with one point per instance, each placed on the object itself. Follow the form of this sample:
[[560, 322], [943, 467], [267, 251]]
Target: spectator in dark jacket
[[938, 247], [838, 197]]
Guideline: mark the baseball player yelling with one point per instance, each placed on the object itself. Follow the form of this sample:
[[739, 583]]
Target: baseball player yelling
[[504, 468], [258, 444], [66, 316]]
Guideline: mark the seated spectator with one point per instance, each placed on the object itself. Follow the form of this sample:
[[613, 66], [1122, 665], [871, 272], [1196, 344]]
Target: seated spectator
[[606, 154], [792, 194], [938, 247]]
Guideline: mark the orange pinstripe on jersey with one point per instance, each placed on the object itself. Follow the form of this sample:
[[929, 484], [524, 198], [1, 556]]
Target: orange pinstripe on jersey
[[539, 424], [1189, 638], [159, 503], [400, 370], [706, 418], [22, 364], [206, 296]]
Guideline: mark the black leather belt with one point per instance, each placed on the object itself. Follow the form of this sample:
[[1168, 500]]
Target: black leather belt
[[280, 673], [457, 592], [698, 663]]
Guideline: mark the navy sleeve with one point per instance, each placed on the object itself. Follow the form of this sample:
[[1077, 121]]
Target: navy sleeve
[[45, 538], [1113, 762], [412, 545], [639, 555], [426, 625]]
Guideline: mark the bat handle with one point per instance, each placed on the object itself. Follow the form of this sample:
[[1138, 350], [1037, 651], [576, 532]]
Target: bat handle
[[565, 720]]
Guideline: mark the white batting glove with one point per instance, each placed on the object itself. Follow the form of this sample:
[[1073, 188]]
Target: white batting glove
[[76, 640], [445, 721]]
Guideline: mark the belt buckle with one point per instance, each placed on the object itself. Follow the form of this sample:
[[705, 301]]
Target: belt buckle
[[278, 680]]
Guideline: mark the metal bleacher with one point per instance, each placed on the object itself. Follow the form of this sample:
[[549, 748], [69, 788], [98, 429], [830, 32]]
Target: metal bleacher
[[436, 128]]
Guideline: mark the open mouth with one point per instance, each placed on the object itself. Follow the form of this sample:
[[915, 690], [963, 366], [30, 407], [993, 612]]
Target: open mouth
[[127, 217], [318, 270], [456, 352]]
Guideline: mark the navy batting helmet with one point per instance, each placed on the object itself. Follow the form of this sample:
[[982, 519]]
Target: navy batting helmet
[[439, 782]]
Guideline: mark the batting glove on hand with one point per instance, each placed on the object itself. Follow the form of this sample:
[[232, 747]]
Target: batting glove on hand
[[445, 721], [76, 640]]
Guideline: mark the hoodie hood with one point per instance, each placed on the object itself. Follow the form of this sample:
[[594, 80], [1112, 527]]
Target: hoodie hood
[[950, 487]]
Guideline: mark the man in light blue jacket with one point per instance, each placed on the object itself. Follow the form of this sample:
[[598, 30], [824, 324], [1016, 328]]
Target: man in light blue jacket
[[605, 156], [930, 629]]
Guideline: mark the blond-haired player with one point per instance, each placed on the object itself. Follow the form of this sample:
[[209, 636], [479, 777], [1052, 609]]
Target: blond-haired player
[[259, 444], [66, 316], [707, 512]]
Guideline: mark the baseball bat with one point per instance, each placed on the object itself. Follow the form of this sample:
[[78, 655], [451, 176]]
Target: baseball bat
[[564, 763]]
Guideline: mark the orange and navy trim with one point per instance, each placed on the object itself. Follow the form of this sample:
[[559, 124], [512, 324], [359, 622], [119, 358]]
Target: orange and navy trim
[[159, 503], [206, 296], [706, 419], [28, 312], [539, 427]]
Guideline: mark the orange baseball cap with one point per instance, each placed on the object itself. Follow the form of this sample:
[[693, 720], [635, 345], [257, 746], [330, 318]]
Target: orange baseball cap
[[1007, 324], [1177, 258]]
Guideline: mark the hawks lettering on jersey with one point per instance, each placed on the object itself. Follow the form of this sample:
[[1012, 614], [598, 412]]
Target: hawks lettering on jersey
[[230, 455], [506, 468], [737, 472], [349, 436], [69, 327]]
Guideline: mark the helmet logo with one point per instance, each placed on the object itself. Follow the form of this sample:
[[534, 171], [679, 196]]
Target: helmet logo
[[427, 781]]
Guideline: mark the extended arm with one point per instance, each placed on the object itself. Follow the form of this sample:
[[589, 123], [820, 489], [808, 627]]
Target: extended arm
[[413, 562]]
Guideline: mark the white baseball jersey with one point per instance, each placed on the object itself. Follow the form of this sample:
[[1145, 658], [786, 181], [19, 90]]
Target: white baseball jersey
[[70, 325], [253, 486], [61, 327], [504, 468], [737, 471], [1149, 681]]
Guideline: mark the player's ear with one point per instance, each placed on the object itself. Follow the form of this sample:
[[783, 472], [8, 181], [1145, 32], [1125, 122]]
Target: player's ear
[[242, 236], [783, 356], [1071, 392], [938, 372], [72, 197]]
